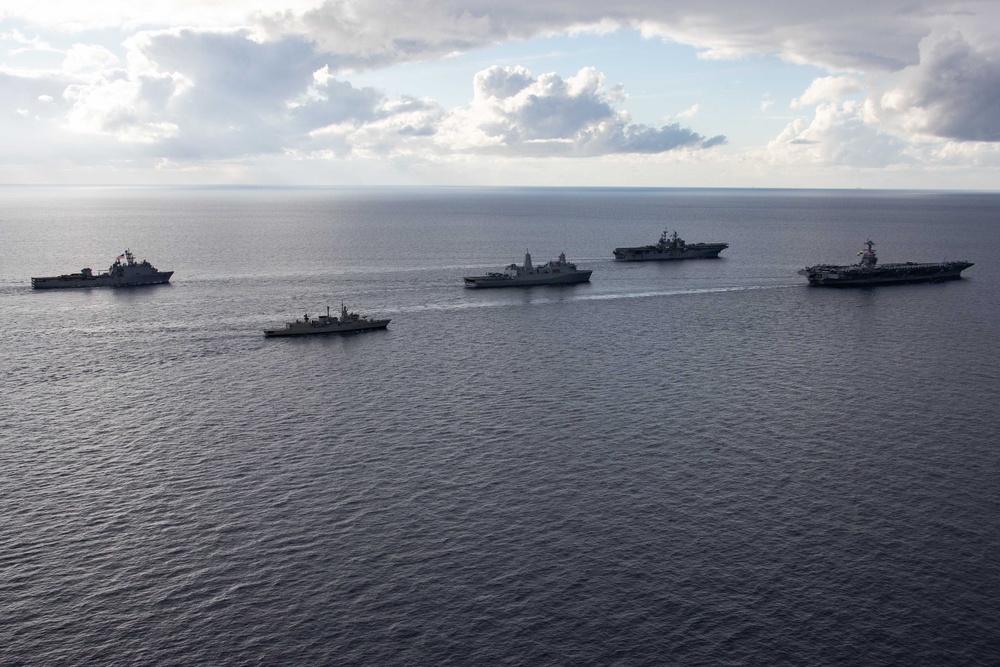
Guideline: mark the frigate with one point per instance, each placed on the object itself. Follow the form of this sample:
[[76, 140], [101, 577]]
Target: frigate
[[328, 324]]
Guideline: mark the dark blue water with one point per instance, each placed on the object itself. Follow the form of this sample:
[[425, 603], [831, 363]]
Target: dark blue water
[[696, 463]]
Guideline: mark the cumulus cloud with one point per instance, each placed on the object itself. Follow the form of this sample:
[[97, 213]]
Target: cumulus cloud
[[514, 112], [89, 58], [27, 43], [405, 127], [690, 112], [75, 16], [851, 39], [838, 135], [954, 92], [828, 88], [262, 79], [188, 94], [852, 35], [214, 94], [857, 35]]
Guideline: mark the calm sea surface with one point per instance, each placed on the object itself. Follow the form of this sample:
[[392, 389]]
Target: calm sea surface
[[693, 463]]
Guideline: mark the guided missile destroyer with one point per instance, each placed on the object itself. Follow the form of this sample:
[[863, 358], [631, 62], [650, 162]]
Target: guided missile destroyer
[[670, 247], [128, 273], [866, 273]]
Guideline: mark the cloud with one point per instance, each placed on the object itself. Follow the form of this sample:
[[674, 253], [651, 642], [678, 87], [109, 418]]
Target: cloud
[[29, 44], [74, 16], [89, 58], [852, 39], [828, 88], [855, 35], [405, 127], [953, 93], [516, 113], [690, 112], [838, 135], [262, 79], [194, 95], [851, 35]]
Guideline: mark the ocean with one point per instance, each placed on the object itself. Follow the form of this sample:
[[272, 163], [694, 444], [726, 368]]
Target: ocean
[[684, 463]]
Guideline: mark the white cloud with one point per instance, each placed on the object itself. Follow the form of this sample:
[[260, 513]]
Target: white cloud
[[88, 58], [690, 112], [115, 108], [322, 76], [515, 113], [188, 94], [257, 78], [29, 44], [854, 34], [827, 89], [73, 15], [953, 93], [837, 135]]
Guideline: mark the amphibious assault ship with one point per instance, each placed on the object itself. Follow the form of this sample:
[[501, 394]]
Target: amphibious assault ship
[[670, 247], [129, 273], [866, 273], [325, 324], [556, 272]]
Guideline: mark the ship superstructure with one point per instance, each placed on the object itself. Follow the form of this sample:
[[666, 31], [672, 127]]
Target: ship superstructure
[[348, 322], [557, 272], [670, 247], [869, 272], [124, 272]]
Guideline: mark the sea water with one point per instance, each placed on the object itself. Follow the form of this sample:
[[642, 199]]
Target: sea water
[[703, 462]]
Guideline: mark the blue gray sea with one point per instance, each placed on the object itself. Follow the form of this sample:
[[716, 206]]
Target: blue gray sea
[[687, 463]]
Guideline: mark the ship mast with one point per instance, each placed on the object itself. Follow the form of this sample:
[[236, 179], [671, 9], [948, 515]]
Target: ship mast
[[868, 258]]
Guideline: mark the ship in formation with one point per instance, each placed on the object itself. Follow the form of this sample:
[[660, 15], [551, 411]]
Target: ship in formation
[[556, 272], [125, 272], [348, 322], [670, 247], [869, 272]]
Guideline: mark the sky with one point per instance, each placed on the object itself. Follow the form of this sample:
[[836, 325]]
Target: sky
[[644, 93]]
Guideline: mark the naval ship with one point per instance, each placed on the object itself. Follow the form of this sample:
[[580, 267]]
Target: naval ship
[[327, 324], [556, 272], [670, 247], [866, 273], [120, 274]]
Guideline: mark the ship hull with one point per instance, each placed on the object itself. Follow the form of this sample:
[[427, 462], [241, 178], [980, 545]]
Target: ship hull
[[901, 274], [654, 254], [479, 282], [78, 281], [309, 330]]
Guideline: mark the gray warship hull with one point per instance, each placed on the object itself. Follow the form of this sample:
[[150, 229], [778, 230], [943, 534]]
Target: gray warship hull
[[556, 272], [479, 282], [79, 280], [131, 273], [347, 323], [318, 329], [652, 253], [823, 275]]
